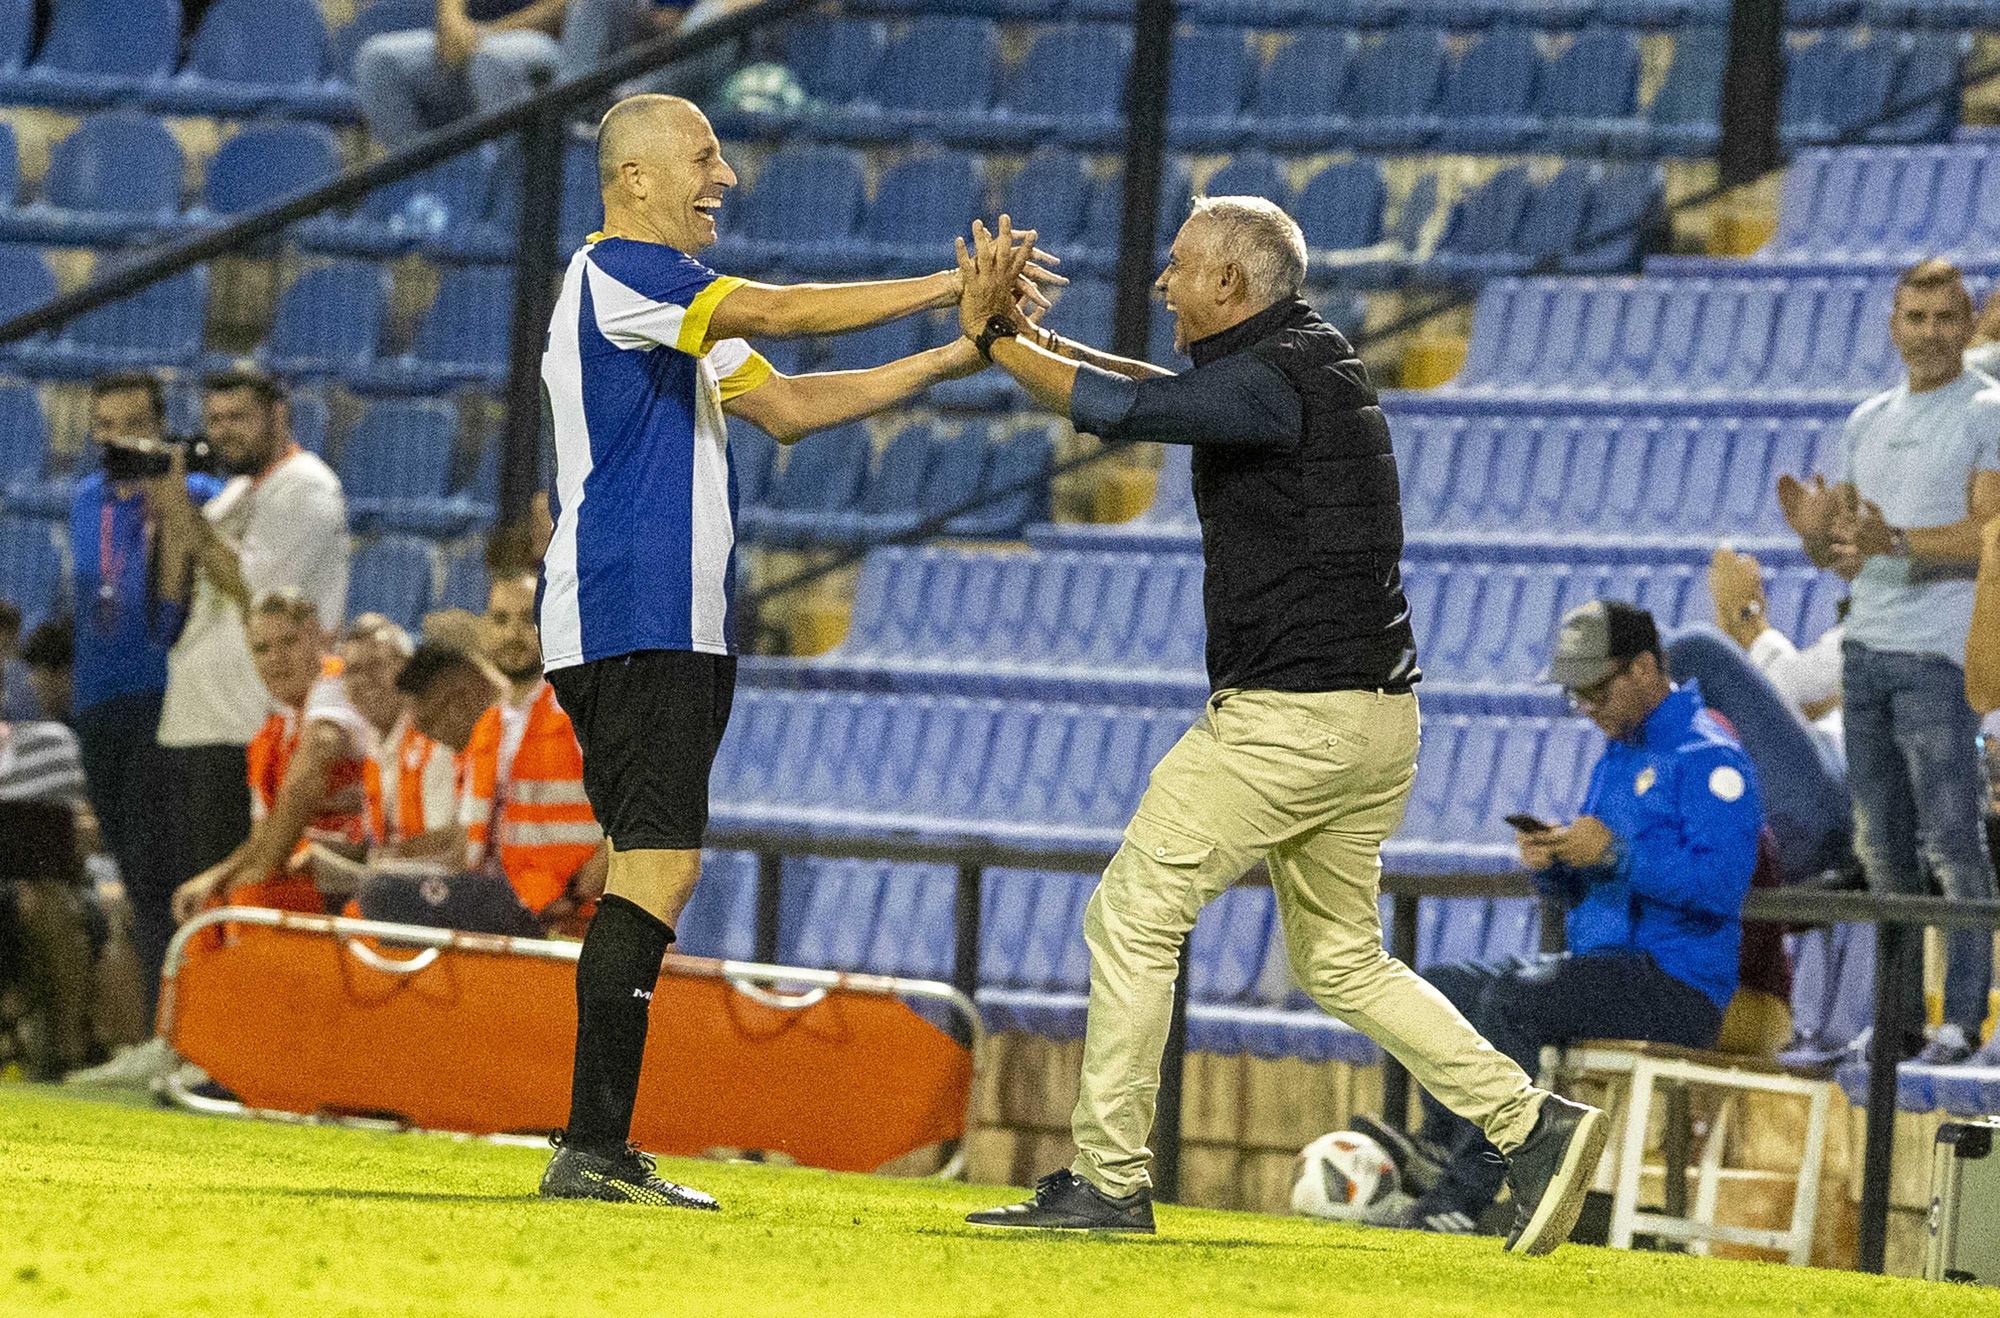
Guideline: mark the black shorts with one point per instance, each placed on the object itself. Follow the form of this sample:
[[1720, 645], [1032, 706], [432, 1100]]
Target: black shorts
[[649, 724]]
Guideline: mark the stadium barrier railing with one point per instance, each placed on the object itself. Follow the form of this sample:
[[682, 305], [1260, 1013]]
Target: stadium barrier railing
[[1900, 920]]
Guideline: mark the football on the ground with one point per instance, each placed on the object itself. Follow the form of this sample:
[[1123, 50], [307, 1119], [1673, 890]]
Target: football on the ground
[[1346, 1177]]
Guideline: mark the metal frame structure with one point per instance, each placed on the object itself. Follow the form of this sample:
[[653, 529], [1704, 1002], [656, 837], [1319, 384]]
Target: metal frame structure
[[755, 980]]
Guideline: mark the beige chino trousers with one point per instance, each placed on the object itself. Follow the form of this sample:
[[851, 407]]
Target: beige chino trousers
[[1310, 783]]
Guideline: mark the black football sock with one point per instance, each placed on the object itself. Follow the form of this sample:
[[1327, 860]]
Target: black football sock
[[615, 975]]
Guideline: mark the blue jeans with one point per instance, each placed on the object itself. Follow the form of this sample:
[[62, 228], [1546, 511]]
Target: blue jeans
[[1913, 770], [1805, 798], [405, 94], [1528, 1003]]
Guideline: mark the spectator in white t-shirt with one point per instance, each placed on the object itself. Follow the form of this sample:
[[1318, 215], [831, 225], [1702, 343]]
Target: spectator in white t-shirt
[[280, 525]]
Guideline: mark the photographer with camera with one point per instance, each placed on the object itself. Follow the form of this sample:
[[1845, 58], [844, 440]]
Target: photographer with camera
[[128, 611], [279, 525]]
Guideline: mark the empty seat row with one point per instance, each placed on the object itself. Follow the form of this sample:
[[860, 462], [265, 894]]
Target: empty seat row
[[119, 177], [1620, 477], [1128, 627], [1689, 339], [833, 489], [1474, 14], [1886, 208], [243, 57], [821, 766]]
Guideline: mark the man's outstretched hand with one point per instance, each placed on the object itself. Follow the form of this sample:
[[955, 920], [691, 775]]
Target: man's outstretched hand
[[999, 275]]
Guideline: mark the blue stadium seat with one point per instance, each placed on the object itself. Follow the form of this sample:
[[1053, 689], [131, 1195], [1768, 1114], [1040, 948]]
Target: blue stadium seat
[[1340, 210], [752, 454], [1684, 116], [1212, 73], [1297, 102], [328, 322], [396, 468], [466, 584], [921, 204], [17, 36], [804, 208], [160, 325], [1485, 105], [1925, 98], [26, 282], [263, 163], [1840, 13], [1020, 463], [1095, 248], [891, 499], [1624, 210], [97, 51], [1676, 14], [29, 567], [392, 575], [455, 208], [934, 78], [582, 207], [1068, 90], [1250, 173], [116, 179], [24, 455], [1834, 87], [461, 340], [822, 474], [256, 56], [1051, 192], [1479, 239], [373, 19], [1588, 94], [1391, 100]]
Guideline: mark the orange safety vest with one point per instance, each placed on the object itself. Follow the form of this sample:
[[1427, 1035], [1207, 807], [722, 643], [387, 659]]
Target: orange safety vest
[[269, 757], [547, 830], [398, 819]]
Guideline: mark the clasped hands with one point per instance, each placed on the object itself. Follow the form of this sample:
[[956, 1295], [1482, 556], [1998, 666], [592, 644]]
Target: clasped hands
[[1853, 528], [1002, 273]]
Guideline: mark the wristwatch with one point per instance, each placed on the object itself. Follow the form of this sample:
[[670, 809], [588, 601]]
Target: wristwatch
[[997, 327], [1899, 542]]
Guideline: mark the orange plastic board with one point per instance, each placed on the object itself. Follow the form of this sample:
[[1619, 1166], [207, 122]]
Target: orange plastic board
[[481, 1042]]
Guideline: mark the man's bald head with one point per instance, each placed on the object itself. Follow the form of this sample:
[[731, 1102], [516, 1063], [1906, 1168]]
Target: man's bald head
[[661, 171], [638, 127]]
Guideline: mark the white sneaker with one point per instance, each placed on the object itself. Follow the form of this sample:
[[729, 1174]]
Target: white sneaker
[[187, 1077], [135, 1066]]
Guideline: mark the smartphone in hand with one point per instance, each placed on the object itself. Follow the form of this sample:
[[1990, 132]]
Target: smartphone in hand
[[1529, 824]]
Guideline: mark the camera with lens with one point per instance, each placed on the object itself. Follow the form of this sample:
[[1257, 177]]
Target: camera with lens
[[132, 458]]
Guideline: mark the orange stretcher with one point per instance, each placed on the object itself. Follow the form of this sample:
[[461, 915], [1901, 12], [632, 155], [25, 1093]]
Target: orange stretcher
[[315, 1017]]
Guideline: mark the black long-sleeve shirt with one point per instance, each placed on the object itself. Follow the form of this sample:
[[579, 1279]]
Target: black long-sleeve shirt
[[1295, 484]]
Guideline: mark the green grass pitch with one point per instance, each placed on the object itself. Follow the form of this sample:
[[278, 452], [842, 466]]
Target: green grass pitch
[[114, 1209]]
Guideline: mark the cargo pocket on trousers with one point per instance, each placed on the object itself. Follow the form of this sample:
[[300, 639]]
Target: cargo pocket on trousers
[[1164, 881]]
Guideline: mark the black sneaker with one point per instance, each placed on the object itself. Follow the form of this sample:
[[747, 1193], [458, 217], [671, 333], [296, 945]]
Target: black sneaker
[[1065, 1201], [1419, 1163], [625, 1179], [1550, 1173]]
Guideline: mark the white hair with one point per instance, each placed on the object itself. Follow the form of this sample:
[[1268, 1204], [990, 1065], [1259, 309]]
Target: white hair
[[1259, 237]]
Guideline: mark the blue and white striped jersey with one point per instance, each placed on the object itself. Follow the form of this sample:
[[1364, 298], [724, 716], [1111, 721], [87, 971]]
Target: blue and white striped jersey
[[644, 507]]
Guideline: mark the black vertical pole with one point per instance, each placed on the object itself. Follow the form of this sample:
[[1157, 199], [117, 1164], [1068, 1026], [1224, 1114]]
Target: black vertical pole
[[1752, 82], [770, 889], [1402, 946], [965, 929], [534, 274], [1145, 147], [1893, 963], [1167, 1124]]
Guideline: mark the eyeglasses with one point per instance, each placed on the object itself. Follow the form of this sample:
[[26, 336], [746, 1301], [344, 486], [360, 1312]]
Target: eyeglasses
[[1587, 699]]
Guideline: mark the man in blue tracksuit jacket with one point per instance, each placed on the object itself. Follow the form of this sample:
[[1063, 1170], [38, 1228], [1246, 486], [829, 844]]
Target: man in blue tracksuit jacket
[[1653, 872]]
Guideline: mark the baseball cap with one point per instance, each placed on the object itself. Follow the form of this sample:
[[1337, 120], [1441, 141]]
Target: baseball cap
[[1594, 639]]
